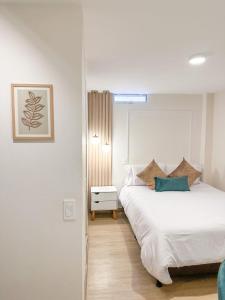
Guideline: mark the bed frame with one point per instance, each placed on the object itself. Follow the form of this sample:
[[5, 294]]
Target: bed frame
[[204, 269], [192, 270]]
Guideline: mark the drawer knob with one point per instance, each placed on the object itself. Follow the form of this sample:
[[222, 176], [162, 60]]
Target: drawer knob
[[96, 193], [97, 201]]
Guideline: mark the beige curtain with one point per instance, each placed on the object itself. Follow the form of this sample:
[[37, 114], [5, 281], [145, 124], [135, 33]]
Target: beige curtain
[[100, 125]]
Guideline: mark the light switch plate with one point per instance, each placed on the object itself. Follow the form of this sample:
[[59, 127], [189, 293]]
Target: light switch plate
[[69, 209]]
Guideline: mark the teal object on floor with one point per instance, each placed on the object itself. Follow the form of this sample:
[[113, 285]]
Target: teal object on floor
[[221, 282], [171, 184]]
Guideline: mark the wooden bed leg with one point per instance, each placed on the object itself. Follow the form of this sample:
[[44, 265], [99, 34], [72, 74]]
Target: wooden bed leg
[[158, 284], [93, 215], [114, 214]]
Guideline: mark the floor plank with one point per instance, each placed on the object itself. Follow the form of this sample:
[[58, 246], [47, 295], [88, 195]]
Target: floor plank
[[115, 270]]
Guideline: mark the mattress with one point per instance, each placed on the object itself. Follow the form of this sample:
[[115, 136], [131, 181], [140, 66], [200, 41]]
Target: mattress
[[176, 229]]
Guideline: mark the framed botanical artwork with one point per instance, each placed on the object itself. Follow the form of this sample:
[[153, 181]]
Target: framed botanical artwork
[[32, 112]]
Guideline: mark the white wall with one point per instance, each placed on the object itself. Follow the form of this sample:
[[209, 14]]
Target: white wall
[[167, 128], [40, 254], [217, 168], [206, 136]]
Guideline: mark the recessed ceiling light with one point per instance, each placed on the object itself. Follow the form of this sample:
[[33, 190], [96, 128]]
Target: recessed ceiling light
[[197, 60]]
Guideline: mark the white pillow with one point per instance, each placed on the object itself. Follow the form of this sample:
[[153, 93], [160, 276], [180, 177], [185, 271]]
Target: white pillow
[[131, 178], [133, 170], [170, 168]]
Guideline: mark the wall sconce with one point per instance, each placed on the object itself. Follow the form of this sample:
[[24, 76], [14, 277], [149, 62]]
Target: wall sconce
[[106, 147], [95, 139]]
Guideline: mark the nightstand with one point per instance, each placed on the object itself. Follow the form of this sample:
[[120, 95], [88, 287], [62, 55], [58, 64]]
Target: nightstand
[[104, 198]]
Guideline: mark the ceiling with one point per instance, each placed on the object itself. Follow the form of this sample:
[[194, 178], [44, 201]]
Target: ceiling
[[144, 45]]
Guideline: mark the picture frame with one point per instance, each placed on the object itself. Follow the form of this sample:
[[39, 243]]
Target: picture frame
[[32, 112]]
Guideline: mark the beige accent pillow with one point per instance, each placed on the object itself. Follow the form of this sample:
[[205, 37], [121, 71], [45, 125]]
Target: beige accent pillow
[[150, 172], [185, 169]]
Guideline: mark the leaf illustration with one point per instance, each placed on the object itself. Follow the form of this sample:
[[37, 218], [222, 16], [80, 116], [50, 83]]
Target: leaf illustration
[[25, 122], [37, 116], [30, 101], [30, 107], [37, 100], [35, 124], [31, 95], [27, 114], [39, 107], [32, 113]]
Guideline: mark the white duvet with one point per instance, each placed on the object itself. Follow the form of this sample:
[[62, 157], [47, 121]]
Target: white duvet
[[176, 229]]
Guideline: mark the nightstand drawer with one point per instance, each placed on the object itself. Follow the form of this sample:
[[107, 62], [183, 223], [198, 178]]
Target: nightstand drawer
[[111, 196], [104, 205]]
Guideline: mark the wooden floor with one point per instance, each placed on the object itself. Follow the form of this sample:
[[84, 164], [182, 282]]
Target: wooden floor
[[115, 270]]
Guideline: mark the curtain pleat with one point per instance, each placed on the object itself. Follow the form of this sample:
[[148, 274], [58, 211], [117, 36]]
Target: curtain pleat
[[100, 124]]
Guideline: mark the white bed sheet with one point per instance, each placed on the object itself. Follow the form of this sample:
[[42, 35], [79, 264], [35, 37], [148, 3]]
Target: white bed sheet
[[176, 229]]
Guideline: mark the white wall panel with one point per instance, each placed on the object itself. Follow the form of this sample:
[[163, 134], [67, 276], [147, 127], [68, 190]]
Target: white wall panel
[[167, 128], [163, 135]]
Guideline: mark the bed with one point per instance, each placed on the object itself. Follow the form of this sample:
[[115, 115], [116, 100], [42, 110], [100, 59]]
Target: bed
[[176, 229]]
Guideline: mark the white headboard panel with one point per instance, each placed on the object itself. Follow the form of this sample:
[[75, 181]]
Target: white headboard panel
[[167, 129], [164, 135]]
